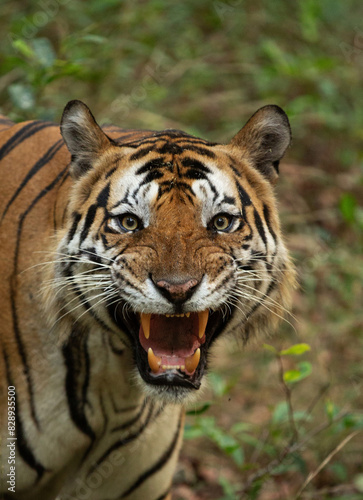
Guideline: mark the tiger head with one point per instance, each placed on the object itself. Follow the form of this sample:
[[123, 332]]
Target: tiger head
[[172, 241]]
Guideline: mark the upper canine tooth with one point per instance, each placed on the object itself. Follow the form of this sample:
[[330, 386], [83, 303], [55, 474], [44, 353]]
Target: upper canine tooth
[[203, 320], [145, 323]]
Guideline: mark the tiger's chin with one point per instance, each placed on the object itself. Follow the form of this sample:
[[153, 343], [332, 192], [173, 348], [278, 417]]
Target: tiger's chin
[[171, 351]]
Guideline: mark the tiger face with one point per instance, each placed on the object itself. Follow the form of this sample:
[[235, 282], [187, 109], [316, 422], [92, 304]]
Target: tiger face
[[172, 241]]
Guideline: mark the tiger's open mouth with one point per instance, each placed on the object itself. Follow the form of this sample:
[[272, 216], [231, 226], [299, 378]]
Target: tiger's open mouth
[[172, 350]]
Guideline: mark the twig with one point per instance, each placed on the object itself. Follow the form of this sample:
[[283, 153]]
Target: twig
[[287, 390], [315, 401], [325, 462], [329, 492]]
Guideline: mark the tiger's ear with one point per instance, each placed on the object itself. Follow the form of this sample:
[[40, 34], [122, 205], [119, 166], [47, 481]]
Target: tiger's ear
[[265, 138], [84, 138]]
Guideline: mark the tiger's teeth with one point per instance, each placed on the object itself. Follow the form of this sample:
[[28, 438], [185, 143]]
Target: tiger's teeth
[[192, 362], [177, 315], [154, 361], [145, 323], [203, 320]]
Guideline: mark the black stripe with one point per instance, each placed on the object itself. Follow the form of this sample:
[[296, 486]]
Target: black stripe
[[121, 139], [168, 186], [245, 199], [190, 162], [157, 466], [164, 495], [233, 166], [140, 154], [124, 200], [260, 227], [230, 200], [34, 170], [266, 214], [76, 218], [200, 150], [24, 449], [75, 355], [55, 203], [132, 421], [90, 217], [151, 176], [150, 165], [110, 172], [214, 191], [22, 134], [194, 174], [225, 280], [123, 442], [102, 198], [172, 148]]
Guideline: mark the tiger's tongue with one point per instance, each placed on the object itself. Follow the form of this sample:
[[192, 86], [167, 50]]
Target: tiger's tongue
[[173, 341]]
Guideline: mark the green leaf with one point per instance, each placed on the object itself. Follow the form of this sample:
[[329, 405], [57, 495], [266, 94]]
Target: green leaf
[[93, 39], [241, 427], [270, 348], [280, 413], [305, 368], [23, 48], [331, 410], [199, 411], [292, 376], [238, 456], [348, 207], [192, 432], [229, 489], [303, 371], [295, 350]]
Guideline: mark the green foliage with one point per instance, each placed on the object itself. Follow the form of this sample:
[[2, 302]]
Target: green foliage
[[206, 426], [295, 350]]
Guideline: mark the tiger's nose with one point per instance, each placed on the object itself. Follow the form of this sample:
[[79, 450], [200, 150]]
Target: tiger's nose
[[177, 292]]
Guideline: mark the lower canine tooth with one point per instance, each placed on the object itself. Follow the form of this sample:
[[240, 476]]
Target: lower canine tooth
[[192, 362], [154, 361]]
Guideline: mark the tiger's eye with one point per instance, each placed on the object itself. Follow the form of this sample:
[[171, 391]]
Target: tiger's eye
[[222, 222], [129, 222]]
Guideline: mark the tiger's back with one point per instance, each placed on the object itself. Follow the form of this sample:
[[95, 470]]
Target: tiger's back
[[119, 269]]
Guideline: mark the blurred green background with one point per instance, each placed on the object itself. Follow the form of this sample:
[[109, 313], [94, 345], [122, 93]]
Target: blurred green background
[[205, 67]]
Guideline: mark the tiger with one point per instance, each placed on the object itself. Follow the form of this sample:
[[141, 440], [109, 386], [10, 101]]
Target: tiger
[[125, 254]]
